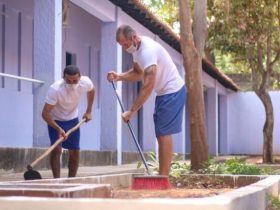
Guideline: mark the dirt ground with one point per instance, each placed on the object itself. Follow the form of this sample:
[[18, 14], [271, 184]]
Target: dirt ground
[[170, 193], [184, 187]]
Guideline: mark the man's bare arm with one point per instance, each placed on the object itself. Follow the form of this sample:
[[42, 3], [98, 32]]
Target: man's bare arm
[[147, 88], [134, 74], [46, 114], [90, 100]]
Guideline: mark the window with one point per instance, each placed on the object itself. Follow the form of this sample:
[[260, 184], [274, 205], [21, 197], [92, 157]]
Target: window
[[70, 58]]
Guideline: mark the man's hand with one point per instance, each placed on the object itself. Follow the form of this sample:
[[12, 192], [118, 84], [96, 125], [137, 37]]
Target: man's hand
[[87, 116], [126, 116], [61, 133], [113, 76]]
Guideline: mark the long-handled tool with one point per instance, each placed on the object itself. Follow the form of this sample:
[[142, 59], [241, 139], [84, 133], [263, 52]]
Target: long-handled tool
[[144, 182], [31, 174]]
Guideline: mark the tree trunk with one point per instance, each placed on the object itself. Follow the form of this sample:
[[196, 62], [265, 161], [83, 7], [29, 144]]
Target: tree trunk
[[268, 127], [193, 68]]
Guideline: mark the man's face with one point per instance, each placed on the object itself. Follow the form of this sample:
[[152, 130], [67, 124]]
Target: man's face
[[126, 43], [71, 79]]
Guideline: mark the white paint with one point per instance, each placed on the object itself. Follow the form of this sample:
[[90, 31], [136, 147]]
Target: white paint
[[103, 10], [16, 125], [244, 198], [21, 78], [119, 110], [246, 117], [212, 120], [57, 39]]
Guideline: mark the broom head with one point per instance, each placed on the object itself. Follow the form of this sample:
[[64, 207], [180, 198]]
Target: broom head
[[150, 182], [31, 174]]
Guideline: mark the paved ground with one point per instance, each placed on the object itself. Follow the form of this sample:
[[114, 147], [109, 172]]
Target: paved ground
[[90, 171], [83, 171]]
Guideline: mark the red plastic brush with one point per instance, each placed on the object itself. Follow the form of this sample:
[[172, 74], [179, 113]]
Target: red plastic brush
[[149, 181]]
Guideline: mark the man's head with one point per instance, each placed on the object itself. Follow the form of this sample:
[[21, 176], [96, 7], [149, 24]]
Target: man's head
[[71, 74], [126, 36]]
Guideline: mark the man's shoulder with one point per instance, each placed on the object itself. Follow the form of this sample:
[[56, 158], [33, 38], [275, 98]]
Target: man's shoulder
[[146, 39], [57, 84], [85, 79]]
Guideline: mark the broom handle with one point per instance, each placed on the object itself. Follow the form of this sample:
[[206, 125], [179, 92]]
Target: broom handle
[[132, 133], [57, 142]]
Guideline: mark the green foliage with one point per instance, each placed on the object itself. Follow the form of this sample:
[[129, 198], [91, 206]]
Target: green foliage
[[244, 29], [236, 166], [152, 163], [231, 166], [178, 167], [236, 28], [274, 202], [166, 10], [228, 64]]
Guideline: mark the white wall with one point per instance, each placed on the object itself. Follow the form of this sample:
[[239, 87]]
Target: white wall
[[246, 116], [82, 37], [16, 122], [16, 98]]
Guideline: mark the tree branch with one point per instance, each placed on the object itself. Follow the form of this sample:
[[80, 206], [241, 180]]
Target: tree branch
[[260, 59], [276, 59]]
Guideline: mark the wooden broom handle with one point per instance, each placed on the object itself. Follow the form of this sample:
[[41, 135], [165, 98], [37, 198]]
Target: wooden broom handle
[[58, 141]]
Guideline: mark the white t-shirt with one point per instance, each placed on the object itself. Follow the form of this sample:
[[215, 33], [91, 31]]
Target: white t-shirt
[[66, 100], [149, 53]]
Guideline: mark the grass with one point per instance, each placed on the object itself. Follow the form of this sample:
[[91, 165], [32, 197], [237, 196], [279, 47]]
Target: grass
[[273, 203], [234, 166]]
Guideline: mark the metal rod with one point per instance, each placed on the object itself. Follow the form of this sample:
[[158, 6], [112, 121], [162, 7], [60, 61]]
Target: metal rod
[[22, 78], [132, 133]]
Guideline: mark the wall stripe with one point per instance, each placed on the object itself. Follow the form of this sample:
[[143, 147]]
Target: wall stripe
[[89, 61], [33, 87], [98, 78], [19, 48], [3, 43]]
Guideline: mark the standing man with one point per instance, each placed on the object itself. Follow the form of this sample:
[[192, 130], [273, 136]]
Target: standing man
[[61, 114], [153, 65]]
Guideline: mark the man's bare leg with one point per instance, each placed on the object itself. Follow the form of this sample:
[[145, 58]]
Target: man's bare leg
[[165, 154], [73, 162], [55, 161]]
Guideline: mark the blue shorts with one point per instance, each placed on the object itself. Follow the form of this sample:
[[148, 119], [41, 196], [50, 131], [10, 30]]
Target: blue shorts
[[168, 114], [73, 140]]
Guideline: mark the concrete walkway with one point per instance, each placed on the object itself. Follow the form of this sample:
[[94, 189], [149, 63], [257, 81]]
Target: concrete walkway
[[82, 172], [92, 170]]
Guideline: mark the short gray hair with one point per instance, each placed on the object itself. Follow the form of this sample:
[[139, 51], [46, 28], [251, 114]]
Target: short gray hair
[[126, 30], [71, 70]]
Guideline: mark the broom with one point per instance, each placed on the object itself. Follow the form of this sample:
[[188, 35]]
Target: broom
[[144, 182], [32, 174]]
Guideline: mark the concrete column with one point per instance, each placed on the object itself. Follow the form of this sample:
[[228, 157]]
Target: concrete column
[[212, 120], [111, 122], [47, 54], [223, 124]]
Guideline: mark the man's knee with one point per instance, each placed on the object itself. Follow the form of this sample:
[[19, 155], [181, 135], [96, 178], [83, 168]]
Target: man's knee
[[56, 152]]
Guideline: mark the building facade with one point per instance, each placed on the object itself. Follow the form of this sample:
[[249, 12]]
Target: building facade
[[39, 38]]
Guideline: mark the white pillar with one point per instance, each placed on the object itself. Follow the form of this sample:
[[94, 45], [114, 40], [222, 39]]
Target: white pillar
[[212, 120], [47, 58], [223, 131], [111, 121]]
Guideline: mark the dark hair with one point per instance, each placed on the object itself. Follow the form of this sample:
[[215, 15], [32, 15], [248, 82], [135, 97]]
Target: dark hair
[[126, 30], [71, 70]]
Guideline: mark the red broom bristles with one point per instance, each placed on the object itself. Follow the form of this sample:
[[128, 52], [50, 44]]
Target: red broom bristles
[[151, 182]]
